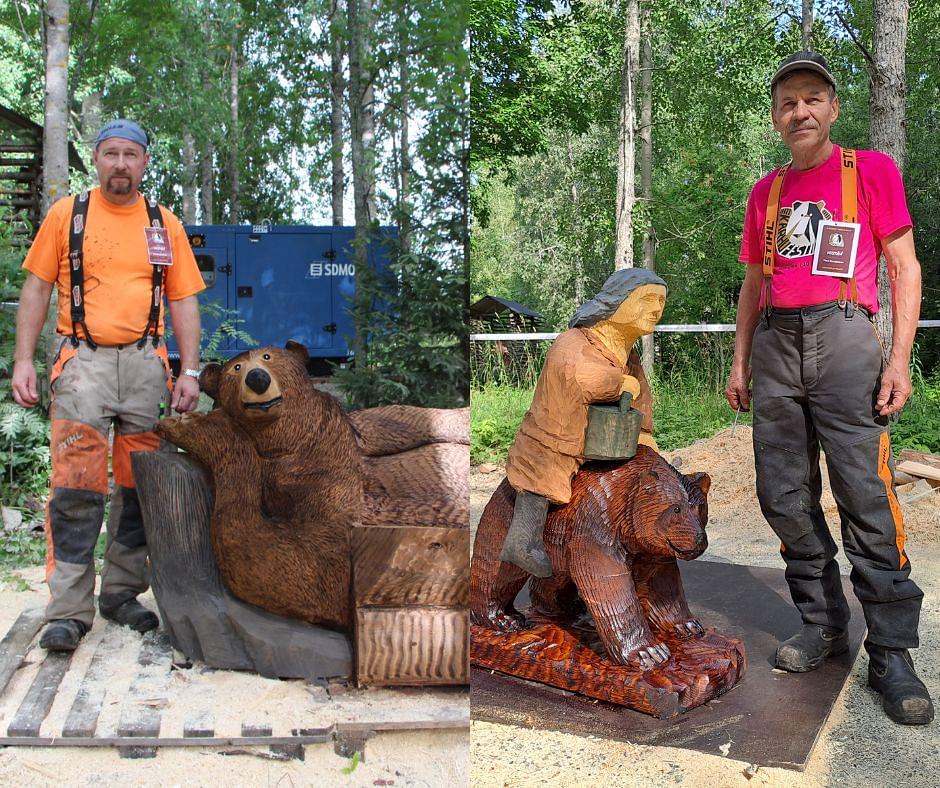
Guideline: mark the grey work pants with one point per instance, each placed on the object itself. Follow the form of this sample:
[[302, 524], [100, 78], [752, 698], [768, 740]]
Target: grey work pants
[[91, 390], [816, 375]]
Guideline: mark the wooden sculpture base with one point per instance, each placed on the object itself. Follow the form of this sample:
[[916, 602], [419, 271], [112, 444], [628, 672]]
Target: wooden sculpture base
[[570, 656]]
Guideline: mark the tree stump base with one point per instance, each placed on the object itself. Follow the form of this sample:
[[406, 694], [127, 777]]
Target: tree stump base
[[569, 655], [202, 618]]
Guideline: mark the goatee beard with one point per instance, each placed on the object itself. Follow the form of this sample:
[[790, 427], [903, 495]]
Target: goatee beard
[[119, 188]]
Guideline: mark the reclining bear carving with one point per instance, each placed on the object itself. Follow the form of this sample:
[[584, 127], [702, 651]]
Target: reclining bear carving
[[292, 473], [614, 546]]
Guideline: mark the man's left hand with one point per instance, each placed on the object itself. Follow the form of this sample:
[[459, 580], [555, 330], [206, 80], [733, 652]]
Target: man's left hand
[[185, 394], [895, 389]]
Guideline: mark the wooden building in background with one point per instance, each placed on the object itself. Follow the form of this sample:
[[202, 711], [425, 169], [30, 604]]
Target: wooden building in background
[[520, 360], [21, 173]]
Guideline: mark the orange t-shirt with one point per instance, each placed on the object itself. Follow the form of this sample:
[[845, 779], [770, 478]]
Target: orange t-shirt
[[118, 275]]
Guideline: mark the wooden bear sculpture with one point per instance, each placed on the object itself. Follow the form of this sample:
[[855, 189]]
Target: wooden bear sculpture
[[291, 477], [614, 550], [614, 546]]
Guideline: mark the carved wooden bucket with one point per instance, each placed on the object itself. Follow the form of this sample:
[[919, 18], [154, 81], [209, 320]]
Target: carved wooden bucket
[[613, 430]]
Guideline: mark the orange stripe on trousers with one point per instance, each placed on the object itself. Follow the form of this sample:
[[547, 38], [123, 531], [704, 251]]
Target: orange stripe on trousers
[[884, 472], [121, 459]]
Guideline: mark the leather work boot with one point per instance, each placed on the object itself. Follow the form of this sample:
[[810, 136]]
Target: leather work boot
[[62, 635], [524, 545], [903, 696], [807, 649], [131, 614]]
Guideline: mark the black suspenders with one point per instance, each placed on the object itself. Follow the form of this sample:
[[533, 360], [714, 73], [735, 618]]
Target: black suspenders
[[77, 273]]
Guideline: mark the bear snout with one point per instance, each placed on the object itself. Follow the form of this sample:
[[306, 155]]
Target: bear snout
[[258, 380]]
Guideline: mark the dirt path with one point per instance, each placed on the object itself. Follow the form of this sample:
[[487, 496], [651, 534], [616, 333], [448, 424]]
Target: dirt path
[[858, 744]]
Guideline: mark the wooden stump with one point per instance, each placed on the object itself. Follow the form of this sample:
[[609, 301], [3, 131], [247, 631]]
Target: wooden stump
[[570, 656], [202, 618]]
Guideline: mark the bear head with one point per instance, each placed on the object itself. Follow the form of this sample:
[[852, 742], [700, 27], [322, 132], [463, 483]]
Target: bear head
[[256, 386], [669, 514]]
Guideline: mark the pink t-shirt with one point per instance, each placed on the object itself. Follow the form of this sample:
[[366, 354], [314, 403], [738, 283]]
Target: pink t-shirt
[[808, 197]]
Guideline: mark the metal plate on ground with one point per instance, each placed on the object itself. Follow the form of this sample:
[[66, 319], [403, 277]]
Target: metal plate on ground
[[770, 719]]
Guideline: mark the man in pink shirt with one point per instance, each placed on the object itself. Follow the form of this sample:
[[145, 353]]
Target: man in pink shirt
[[813, 232]]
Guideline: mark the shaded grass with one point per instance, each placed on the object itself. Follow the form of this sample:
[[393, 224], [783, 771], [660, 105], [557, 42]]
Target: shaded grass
[[686, 408]]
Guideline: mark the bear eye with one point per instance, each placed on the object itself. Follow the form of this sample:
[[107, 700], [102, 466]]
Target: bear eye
[[677, 509], [266, 357], [238, 367]]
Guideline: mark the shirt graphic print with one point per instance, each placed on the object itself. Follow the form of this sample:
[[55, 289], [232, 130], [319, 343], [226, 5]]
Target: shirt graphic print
[[798, 228]]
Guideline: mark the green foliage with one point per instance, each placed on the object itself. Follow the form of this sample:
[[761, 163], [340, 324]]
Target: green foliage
[[416, 335], [495, 415], [22, 547], [353, 763], [918, 426], [24, 434]]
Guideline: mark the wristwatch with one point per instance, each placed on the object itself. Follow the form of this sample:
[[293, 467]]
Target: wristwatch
[[193, 373]]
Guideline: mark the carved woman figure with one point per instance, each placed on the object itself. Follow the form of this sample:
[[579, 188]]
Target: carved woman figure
[[592, 362]]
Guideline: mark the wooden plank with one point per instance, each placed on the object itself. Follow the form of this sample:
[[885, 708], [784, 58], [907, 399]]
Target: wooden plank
[[932, 460], [919, 469], [16, 642], [82, 719], [416, 645], [146, 697], [201, 724], [41, 694], [411, 565]]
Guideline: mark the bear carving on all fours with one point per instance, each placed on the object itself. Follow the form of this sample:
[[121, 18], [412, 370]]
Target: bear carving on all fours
[[293, 474], [595, 520]]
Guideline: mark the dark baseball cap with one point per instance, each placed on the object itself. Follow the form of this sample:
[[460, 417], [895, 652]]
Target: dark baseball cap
[[124, 130], [803, 61]]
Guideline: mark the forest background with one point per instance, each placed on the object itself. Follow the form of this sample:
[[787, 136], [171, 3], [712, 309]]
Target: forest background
[[546, 98], [325, 111]]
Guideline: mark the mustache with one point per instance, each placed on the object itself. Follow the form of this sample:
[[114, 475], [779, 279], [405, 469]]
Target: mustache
[[803, 127]]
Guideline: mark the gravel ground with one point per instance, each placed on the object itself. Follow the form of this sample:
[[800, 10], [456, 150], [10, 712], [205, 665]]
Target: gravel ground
[[858, 745]]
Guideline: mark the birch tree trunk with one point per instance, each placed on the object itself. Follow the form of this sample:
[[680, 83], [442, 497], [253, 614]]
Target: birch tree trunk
[[337, 90], [235, 137], [807, 25], [55, 143], [362, 126], [646, 162], [626, 147], [888, 91], [189, 177], [404, 187], [207, 182]]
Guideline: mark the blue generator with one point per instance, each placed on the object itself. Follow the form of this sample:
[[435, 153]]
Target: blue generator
[[283, 282]]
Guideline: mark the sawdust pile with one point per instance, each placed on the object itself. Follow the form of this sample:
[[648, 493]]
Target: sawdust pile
[[729, 459]]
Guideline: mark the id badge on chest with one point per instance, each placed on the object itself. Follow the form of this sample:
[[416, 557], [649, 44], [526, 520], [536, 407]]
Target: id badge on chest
[[159, 251], [836, 249]]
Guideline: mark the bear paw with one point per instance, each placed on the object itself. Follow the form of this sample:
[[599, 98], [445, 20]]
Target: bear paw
[[504, 619], [689, 629], [651, 656]]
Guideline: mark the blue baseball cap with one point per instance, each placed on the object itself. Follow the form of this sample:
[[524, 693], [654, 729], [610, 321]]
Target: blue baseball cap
[[125, 130]]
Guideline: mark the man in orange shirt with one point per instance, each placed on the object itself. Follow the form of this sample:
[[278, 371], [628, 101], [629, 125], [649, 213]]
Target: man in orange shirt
[[113, 255]]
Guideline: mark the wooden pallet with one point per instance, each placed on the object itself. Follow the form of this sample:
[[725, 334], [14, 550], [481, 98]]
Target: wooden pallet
[[138, 730]]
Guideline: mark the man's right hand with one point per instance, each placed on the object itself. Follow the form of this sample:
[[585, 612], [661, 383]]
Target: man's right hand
[[25, 390], [738, 390]]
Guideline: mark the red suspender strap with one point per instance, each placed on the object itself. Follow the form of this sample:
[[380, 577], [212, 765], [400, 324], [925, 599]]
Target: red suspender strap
[[848, 290], [770, 233]]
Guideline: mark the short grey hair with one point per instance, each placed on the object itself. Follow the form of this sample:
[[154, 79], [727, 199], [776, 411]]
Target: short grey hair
[[615, 291]]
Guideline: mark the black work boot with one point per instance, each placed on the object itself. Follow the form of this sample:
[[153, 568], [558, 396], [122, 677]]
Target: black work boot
[[63, 635], [903, 696], [524, 545], [807, 649], [131, 614]]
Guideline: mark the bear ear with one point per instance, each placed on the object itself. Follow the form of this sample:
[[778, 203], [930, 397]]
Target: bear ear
[[299, 350], [701, 480], [649, 479], [209, 379]]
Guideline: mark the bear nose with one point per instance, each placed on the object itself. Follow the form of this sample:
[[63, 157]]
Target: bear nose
[[258, 381]]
